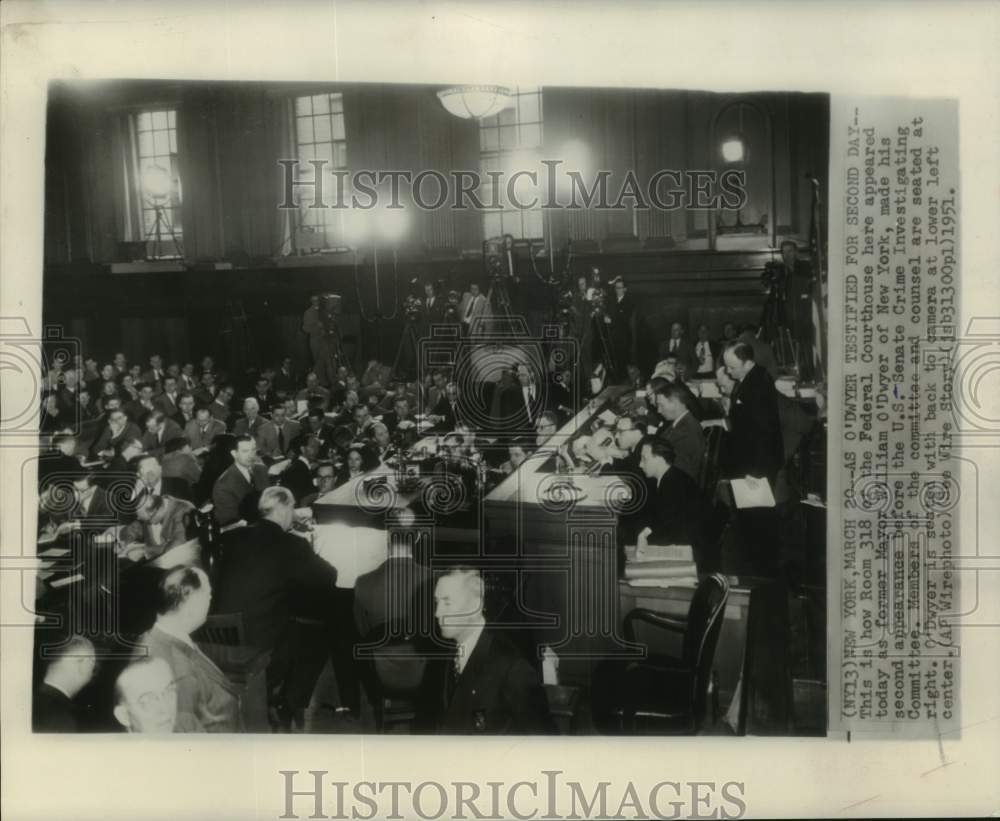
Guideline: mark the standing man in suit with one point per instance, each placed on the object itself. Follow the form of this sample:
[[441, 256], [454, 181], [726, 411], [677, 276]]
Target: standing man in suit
[[755, 450], [472, 307], [682, 430], [521, 404], [674, 513], [488, 687], [434, 305], [236, 490], [622, 329], [70, 668], [756, 447], [797, 284]]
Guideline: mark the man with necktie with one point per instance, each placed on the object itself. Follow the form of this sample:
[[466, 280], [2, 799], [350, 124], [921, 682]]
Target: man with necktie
[[487, 687]]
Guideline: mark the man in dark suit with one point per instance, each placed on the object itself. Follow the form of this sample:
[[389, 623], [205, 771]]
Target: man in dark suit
[[706, 354], [263, 394], [756, 447], [202, 431], [304, 451], [522, 403], [220, 407], [185, 410], [270, 575], [152, 482], [398, 594], [682, 430], [285, 380], [235, 492], [92, 503], [679, 346], [622, 329], [159, 430], [70, 668], [168, 401], [118, 431], [434, 305], [447, 413], [797, 284], [154, 374], [206, 393], [488, 687], [674, 512], [61, 461], [138, 409]]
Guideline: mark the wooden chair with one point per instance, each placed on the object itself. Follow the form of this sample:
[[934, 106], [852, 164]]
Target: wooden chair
[[664, 695], [221, 639]]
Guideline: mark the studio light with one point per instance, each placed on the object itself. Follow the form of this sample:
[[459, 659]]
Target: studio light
[[732, 150], [392, 223], [156, 182], [475, 102]]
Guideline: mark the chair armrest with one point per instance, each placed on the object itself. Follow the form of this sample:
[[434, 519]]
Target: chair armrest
[[675, 624]]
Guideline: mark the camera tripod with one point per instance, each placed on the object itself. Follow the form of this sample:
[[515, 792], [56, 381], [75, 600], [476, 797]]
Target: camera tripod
[[774, 326], [406, 351]]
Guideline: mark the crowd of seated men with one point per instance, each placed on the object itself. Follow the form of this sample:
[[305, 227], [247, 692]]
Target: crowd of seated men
[[161, 450]]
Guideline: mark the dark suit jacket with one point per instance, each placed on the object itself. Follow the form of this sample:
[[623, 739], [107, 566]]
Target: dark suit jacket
[[166, 404], [684, 353], [269, 575], [755, 442], [105, 440], [52, 711], [136, 411], [674, 512], [297, 477], [231, 490], [514, 411], [499, 692], [689, 445], [406, 584], [452, 416], [154, 445]]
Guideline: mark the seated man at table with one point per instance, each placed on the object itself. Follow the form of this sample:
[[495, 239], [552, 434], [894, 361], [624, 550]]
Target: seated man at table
[[162, 523], [146, 699], [673, 513], [69, 669], [239, 486], [682, 431], [118, 430], [298, 476], [203, 692], [152, 482], [488, 687]]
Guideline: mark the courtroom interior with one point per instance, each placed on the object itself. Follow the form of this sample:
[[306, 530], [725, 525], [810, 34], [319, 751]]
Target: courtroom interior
[[366, 462]]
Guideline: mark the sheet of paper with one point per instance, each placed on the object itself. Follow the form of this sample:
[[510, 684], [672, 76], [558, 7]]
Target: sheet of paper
[[68, 580], [54, 553], [752, 493]]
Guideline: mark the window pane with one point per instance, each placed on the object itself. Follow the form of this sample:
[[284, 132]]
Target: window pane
[[306, 153], [324, 151], [533, 224], [173, 141], [321, 103], [305, 130], [144, 122], [340, 155], [321, 129], [303, 105], [172, 119], [145, 143], [161, 142], [337, 103], [338, 127], [508, 116], [160, 119], [508, 138], [489, 139], [527, 108], [492, 225], [531, 136]]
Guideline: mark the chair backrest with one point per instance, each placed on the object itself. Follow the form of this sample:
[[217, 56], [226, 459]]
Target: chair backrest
[[704, 624], [400, 660], [221, 628]]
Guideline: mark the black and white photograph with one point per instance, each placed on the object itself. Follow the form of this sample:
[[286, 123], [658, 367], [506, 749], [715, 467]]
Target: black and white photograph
[[471, 409], [499, 410]]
